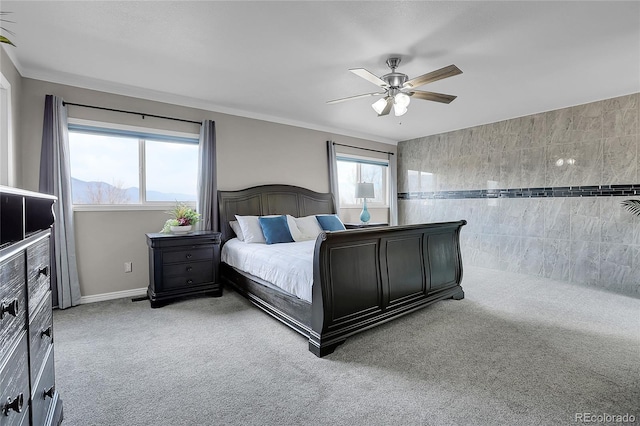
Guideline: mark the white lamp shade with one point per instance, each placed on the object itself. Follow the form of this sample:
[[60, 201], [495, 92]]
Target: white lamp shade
[[402, 99], [379, 105], [364, 190], [400, 104], [399, 110]]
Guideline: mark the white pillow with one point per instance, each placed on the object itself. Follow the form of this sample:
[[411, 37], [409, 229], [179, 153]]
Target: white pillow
[[235, 226], [251, 229], [308, 227], [293, 228]]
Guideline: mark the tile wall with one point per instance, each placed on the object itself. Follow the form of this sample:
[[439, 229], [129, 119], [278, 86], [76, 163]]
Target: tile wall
[[541, 193]]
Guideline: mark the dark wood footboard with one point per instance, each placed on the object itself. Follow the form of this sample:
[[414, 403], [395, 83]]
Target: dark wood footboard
[[366, 277]]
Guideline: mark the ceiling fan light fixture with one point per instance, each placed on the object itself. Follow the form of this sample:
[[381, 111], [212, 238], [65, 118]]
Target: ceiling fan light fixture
[[402, 99], [399, 110], [400, 103], [379, 105]]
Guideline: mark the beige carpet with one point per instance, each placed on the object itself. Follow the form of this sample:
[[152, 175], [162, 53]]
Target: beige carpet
[[518, 350]]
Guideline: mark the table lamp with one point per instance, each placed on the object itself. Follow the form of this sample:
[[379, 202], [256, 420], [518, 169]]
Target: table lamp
[[364, 190]]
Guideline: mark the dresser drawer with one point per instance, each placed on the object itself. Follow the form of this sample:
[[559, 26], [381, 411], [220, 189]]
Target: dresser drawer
[[38, 271], [191, 254], [13, 318], [44, 392], [14, 386], [177, 276], [40, 336]]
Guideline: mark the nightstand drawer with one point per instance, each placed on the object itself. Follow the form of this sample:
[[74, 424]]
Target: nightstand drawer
[[40, 336], [191, 270], [202, 273], [14, 387], [189, 255], [38, 271], [13, 316]]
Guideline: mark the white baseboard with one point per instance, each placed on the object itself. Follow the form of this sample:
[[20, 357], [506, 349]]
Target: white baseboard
[[136, 292]]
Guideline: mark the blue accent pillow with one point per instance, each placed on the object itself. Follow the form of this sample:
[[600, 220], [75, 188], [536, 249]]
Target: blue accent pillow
[[330, 222], [275, 229]]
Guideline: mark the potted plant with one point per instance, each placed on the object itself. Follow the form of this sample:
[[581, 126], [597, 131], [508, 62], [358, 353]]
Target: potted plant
[[632, 205], [4, 39], [184, 218]]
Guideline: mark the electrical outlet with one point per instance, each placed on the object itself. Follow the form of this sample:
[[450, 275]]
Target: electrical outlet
[[127, 266]]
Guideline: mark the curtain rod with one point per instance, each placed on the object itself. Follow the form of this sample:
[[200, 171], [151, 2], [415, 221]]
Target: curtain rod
[[132, 112], [364, 149]]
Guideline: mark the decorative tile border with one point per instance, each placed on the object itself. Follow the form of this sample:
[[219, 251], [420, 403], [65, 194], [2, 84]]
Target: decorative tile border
[[559, 191]]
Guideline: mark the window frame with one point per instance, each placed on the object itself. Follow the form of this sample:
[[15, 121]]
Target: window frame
[[362, 159], [131, 131], [7, 143]]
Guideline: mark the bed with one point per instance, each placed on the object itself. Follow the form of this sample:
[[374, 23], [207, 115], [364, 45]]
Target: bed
[[361, 277]]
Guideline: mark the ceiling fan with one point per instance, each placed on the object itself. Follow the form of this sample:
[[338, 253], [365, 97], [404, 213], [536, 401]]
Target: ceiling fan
[[398, 89]]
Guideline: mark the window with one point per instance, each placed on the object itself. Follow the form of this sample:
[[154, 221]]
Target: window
[[352, 169], [118, 166], [7, 160]]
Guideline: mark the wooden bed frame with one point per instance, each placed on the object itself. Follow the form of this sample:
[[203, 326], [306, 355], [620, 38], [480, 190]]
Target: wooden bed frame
[[361, 277]]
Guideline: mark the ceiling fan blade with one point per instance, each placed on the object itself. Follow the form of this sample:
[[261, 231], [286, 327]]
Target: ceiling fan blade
[[361, 72], [387, 109], [349, 98], [436, 75], [432, 96]]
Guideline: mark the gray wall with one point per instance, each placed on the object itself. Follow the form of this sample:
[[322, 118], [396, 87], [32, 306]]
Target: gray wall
[[250, 152], [585, 240]]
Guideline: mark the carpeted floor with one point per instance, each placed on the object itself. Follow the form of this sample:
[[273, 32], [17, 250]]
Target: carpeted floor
[[518, 350]]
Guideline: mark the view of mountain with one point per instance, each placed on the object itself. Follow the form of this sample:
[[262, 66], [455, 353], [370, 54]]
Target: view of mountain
[[104, 193]]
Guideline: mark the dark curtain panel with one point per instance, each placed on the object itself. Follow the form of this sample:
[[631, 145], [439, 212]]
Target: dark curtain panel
[[207, 182], [333, 175], [55, 178]]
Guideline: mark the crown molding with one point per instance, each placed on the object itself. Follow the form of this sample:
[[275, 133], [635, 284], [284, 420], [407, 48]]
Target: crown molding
[[185, 101]]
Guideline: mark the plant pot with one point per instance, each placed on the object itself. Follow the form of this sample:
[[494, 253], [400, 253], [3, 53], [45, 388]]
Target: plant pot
[[181, 229]]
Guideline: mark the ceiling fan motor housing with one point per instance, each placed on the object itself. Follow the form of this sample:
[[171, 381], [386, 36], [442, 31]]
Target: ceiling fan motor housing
[[394, 79]]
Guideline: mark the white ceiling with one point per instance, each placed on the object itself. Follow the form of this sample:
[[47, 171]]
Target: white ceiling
[[281, 61]]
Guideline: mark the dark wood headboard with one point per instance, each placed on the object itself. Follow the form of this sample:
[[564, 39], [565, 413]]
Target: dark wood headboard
[[270, 199]]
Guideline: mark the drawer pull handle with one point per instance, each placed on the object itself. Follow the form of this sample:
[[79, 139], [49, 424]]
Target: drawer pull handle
[[188, 256], [49, 392], [15, 405], [44, 271], [10, 308], [189, 269], [46, 332], [189, 281]]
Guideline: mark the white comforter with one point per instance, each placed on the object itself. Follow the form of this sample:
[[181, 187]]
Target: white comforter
[[286, 265]]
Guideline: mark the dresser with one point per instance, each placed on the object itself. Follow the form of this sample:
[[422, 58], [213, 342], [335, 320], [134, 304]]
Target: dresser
[[183, 265], [28, 394]]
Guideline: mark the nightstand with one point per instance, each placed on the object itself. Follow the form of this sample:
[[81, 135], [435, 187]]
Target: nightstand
[[358, 225], [183, 265]]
